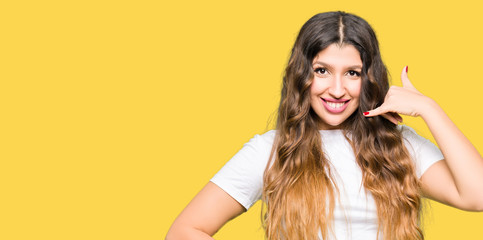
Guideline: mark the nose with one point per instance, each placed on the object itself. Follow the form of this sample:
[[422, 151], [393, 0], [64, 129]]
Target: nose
[[337, 89]]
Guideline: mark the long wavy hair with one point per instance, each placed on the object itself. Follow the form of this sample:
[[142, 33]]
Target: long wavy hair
[[298, 177]]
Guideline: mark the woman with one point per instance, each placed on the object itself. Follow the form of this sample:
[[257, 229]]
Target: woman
[[338, 166]]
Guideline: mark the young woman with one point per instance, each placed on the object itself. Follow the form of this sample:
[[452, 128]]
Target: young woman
[[338, 166]]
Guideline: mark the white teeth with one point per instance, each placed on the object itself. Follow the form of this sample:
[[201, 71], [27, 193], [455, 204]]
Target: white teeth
[[335, 105]]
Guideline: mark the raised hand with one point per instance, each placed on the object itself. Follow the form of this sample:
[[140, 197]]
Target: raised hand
[[405, 100]]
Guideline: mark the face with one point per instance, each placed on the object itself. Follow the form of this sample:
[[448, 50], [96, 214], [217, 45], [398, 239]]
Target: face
[[335, 89]]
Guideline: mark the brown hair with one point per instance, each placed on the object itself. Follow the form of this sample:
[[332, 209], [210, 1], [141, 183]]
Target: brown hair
[[298, 177]]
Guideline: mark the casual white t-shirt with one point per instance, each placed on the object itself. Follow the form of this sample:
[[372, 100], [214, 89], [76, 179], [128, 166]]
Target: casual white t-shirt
[[355, 217]]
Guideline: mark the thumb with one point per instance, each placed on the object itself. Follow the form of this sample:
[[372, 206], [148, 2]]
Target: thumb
[[404, 78]]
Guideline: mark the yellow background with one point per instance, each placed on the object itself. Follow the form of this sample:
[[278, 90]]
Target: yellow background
[[114, 114]]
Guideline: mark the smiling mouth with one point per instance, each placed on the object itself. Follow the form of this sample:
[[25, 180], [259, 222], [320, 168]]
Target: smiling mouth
[[335, 105]]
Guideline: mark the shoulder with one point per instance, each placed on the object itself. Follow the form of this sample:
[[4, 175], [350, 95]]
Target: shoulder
[[411, 137], [256, 151], [422, 151], [406, 130], [261, 142], [266, 138], [242, 176]]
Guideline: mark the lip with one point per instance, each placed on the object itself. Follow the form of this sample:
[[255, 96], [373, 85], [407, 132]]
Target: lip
[[335, 110]]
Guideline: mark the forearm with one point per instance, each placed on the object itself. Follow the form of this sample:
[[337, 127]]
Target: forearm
[[463, 159]]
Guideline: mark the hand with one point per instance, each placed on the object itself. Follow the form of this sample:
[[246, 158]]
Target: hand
[[405, 100]]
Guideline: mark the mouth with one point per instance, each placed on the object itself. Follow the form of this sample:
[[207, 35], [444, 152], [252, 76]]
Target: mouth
[[335, 105]]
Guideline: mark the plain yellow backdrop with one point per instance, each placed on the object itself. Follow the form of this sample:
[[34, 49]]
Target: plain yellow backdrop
[[114, 114]]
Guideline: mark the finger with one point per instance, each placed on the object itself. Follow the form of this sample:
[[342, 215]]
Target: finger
[[397, 116], [404, 78], [376, 111], [390, 117]]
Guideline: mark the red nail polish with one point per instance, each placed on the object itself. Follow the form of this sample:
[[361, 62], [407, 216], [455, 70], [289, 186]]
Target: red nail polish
[[407, 69], [365, 113]]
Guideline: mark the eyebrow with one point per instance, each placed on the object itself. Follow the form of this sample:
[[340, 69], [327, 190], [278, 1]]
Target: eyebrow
[[330, 66]]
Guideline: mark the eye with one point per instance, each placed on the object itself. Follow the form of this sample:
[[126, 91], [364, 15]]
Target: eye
[[353, 73], [320, 71]]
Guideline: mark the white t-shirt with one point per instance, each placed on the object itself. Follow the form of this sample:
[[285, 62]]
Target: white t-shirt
[[242, 177]]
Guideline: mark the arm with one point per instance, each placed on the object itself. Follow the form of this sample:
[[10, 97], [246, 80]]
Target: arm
[[209, 210], [458, 179]]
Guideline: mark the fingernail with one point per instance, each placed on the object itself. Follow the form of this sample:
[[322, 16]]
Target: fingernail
[[365, 113], [407, 69]]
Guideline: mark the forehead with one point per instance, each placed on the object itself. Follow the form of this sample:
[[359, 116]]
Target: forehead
[[336, 54]]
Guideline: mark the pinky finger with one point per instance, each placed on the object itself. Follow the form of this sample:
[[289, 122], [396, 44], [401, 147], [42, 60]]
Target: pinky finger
[[389, 117], [397, 117]]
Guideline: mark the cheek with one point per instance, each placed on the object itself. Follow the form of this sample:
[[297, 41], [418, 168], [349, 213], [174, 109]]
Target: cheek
[[313, 86], [313, 90], [355, 89], [314, 93], [317, 86]]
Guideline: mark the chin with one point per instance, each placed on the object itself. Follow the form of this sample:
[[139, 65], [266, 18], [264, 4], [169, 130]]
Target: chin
[[326, 125]]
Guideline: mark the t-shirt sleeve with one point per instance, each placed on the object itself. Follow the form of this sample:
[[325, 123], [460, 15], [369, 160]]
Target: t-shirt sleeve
[[242, 176], [423, 152]]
